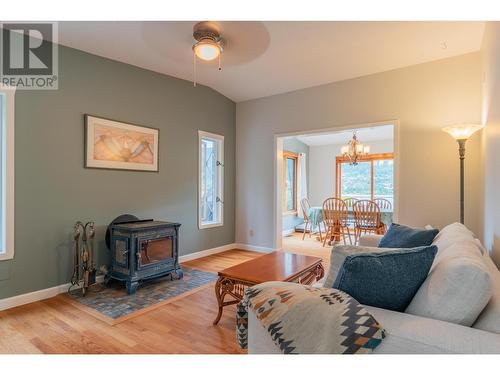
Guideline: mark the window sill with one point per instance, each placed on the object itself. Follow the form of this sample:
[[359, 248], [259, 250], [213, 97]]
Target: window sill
[[7, 256], [212, 225], [290, 213]]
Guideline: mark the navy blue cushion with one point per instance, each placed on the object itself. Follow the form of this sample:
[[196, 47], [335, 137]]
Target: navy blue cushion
[[401, 236], [388, 279]]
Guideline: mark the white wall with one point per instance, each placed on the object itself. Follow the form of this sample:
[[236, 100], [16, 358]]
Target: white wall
[[322, 174], [491, 138], [424, 98]]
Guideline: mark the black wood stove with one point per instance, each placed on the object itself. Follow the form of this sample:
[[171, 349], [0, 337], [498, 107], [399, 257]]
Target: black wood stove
[[142, 250]]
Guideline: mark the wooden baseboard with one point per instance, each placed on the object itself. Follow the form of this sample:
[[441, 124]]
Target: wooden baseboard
[[38, 295], [204, 253], [259, 249]]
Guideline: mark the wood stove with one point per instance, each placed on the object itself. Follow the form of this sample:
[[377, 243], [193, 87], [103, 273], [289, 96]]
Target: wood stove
[[142, 250]]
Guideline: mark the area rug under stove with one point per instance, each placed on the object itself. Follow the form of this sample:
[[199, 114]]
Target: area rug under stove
[[113, 305]]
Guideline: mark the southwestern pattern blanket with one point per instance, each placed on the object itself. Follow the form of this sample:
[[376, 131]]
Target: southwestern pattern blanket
[[303, 320]]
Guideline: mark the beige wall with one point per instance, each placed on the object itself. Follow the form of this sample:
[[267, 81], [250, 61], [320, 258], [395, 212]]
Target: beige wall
[[491, 138], [424, 98]]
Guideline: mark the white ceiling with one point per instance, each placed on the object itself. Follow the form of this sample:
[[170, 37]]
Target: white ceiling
[[364, 135], [267, 58]]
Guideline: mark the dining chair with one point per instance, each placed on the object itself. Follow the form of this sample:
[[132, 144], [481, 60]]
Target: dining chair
[[366, 219], [306, 206], [349, 202], [385, 205], [335, 218]]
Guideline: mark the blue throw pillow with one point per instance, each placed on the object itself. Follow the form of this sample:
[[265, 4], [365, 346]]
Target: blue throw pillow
[[401, 236], [388, 279]]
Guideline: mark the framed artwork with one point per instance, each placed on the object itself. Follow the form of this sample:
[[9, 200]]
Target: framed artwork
[[117, 145]]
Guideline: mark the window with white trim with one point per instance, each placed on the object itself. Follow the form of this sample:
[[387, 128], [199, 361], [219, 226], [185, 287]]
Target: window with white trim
[[210, 180], [6, 173]]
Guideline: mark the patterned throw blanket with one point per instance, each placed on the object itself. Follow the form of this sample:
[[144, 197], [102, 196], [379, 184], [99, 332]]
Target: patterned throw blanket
[[302, 319]]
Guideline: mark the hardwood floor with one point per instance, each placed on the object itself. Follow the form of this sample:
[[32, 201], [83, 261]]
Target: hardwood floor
[[182, 326]]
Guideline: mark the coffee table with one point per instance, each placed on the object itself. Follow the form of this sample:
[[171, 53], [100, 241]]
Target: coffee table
[[275, 266]]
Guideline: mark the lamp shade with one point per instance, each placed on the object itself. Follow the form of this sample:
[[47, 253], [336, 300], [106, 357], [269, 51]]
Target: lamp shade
[[460, 132]]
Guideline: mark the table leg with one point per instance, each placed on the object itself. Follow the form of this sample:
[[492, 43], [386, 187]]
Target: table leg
[[335, 236], [219, 294], [226, 286], [337, 232]]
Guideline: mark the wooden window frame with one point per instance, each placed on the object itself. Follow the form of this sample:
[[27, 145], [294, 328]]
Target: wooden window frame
[[371, 158], [295, 157]]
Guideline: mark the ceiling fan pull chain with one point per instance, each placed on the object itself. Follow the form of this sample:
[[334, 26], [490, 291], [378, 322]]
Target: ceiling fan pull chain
[[194, 69], [220, 68]]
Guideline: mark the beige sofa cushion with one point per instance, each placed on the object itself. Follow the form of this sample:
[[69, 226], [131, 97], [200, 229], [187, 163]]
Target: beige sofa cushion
[[452, 235], [458, 287]]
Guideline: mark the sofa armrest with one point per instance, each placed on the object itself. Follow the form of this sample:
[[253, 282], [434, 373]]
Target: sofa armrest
[[370, 240]]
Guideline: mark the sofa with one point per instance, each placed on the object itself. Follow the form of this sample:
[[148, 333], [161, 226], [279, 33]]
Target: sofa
[[456, 309]]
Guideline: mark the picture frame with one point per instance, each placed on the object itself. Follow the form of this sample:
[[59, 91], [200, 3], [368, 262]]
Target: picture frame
[[117, 145]]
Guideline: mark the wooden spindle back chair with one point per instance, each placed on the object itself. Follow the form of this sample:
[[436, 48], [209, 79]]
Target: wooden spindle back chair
[[335, 218], [349, 202], [305, 207], [367, 218], [383, 203]]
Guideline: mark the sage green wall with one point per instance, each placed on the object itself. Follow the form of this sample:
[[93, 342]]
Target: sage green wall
[[53, 190]]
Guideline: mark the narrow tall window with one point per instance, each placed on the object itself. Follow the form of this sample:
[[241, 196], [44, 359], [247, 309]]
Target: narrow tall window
[[6, 173], [290, 182], [211, 180]]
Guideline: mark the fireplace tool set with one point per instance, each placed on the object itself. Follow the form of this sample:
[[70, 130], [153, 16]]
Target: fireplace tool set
[[84, 272]]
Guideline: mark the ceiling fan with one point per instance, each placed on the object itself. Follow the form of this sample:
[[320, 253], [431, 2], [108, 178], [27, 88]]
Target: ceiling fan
[[209, 44]]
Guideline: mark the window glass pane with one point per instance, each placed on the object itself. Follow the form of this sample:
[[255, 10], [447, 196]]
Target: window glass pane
[[208, 180], [290, 184], [355, 180], [383, 179]]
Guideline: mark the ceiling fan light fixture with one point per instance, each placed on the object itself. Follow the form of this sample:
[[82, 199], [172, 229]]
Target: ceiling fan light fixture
[[207, 49], [208, 46]]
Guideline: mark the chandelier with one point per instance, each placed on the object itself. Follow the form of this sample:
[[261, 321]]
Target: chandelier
[[354, 150]]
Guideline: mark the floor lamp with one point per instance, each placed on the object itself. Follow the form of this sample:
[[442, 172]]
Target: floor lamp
[[461, 133]]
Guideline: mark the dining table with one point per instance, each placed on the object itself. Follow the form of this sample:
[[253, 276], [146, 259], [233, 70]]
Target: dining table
[[316, 217]]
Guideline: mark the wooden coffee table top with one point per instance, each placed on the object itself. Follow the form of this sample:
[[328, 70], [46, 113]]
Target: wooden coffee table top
[[275, 266]]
